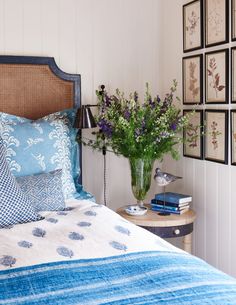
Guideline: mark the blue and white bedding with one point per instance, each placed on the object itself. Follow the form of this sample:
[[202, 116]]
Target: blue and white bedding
[[90, 255]]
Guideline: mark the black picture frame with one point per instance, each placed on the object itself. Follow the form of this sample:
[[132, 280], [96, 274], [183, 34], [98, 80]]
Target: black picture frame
[[232, 137], [224, 100], [233, 75], [200, 137], [233, 20], [185, 87], [201, 31], [214, 136], [226, 31]]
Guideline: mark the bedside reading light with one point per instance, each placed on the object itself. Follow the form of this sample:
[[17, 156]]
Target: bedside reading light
[[84, 120]]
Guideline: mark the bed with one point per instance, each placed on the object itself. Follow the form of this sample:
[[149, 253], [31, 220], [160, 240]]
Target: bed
[[85, 253]]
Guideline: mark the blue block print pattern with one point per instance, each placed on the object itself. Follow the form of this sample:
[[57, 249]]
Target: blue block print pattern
[[44, 190]]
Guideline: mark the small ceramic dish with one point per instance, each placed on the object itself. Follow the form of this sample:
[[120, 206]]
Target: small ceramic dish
[[135, 210]]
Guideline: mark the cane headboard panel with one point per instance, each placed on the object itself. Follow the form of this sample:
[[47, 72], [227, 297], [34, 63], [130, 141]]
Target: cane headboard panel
[[34, 86]]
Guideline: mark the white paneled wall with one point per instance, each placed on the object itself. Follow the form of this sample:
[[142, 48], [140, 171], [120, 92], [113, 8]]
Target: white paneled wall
[[213, 185], [124, 43], [111, 42]]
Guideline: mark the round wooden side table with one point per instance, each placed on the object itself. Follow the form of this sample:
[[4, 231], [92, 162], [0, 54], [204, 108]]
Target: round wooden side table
[[166, 226]]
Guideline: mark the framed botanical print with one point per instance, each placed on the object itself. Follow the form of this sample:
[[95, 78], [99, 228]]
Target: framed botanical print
[[216, 135], [217, 77], [233, 137], [192, 79], [193, 139], [193, 25], [233, 75], [233, 20], [216, 22]]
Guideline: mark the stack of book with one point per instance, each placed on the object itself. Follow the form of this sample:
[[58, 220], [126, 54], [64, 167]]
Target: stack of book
[[173, 203]]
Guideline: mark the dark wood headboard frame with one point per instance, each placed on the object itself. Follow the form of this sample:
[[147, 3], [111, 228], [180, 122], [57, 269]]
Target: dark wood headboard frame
[[15, 69]]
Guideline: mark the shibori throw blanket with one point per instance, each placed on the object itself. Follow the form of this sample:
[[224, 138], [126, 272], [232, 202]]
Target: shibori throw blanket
[[158, 277]]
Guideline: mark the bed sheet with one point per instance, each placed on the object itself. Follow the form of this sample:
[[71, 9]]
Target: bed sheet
[[84, 230]]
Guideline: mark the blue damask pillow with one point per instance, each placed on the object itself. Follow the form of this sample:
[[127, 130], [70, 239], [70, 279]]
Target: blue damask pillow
[[44, 190], [39, 147], [15, 206], [67, 117]]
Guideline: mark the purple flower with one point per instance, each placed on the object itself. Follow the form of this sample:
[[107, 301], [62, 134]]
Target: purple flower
[[136, 96], [105, 127], [127, 114], [173, 126], [158, 99], [107, 100], [143, 125]]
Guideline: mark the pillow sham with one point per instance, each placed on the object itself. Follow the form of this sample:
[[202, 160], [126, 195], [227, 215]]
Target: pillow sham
[[44, 190], [15, 207], [67, 116], [39, 146]]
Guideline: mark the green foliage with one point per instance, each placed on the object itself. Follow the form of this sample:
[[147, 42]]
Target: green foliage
[[139, 130]]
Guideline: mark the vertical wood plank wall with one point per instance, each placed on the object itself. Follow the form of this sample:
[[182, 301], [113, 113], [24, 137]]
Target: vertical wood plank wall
[[109, 42], [212, 185], [124, 43]]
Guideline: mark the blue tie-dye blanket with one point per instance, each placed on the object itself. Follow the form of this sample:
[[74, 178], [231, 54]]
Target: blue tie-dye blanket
[[136, 278]]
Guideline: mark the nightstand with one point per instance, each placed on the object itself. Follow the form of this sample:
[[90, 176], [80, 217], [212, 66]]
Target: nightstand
[[166, 226]]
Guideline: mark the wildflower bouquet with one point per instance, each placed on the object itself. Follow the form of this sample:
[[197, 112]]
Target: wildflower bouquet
[[139, 130]]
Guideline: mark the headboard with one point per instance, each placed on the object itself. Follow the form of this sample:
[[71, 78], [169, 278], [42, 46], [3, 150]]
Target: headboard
[[32, 87]]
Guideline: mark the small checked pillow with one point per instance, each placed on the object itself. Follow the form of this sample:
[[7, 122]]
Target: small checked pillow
[[44, 190], [15, 207]]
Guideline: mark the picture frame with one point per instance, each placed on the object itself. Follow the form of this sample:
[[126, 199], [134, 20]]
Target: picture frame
[[216, 22], [233, 136], [193, 26], [216, 135], [192, 74], [233, 20], [193, 139], [233, 75], [217, 77]]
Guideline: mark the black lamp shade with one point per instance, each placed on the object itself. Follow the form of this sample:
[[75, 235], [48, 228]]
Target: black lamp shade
[[84, 118]]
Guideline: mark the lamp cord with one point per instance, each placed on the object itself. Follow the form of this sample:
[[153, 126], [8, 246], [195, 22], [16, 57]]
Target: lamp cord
[[104, 175]]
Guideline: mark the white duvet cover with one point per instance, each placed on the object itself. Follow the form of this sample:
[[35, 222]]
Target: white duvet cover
[[84, 230]]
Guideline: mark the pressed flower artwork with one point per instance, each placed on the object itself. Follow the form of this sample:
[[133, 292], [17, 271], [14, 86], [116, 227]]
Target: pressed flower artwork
[[193, 140], [233, 75], [233, 137], [192, 25], [233, 16], [216, 136], [216, 15], [192, 79], [217, 76]]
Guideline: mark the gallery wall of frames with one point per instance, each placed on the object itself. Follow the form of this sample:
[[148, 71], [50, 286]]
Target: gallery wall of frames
[[209, 78]]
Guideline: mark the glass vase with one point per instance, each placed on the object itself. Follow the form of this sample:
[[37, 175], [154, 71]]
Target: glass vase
[[141, 176]]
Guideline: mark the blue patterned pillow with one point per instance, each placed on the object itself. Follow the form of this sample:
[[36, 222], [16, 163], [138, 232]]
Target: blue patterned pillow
[[39, 146], [15, 207], [44, 190], [67, 117]]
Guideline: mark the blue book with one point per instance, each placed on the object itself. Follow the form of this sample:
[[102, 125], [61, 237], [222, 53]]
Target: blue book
[[170, 204], [161, 206], [168, 211], [173, 197]]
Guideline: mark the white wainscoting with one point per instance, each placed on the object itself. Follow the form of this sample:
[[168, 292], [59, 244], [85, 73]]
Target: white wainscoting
[[111, 42], [212, 185]]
